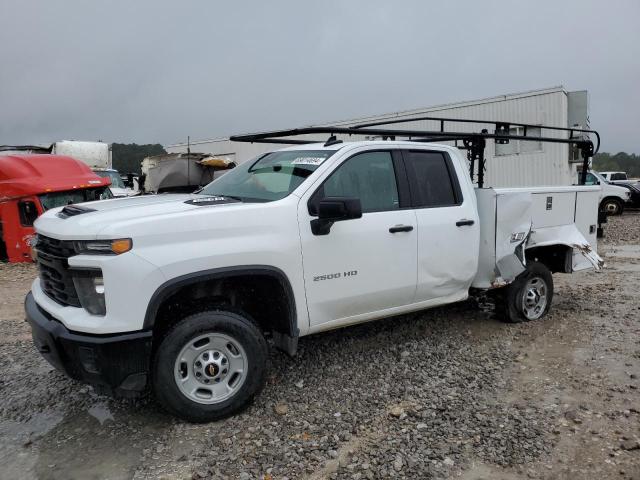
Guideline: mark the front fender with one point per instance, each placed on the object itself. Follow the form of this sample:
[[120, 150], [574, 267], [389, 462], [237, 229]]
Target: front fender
[[173, 285]]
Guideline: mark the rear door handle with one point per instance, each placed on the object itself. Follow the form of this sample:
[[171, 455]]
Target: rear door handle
[[464, 222], [400, 228]]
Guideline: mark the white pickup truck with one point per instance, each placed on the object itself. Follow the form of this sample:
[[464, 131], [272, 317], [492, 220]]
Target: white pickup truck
[[181, 292], [613, 198]]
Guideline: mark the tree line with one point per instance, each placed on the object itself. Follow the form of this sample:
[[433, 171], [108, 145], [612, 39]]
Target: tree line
[[127, 156], [620, 162]]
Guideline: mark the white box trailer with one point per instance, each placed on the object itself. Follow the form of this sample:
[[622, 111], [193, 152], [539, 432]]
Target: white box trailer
[[97, 155], [515, 165]]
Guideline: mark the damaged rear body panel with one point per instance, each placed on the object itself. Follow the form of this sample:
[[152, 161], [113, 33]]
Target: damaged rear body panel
[[515, 220]]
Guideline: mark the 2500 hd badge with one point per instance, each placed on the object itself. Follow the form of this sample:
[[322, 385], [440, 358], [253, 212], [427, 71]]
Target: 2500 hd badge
[[332, 276]]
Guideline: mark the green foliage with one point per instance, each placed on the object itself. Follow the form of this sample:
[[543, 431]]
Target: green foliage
[[620, 162], [127, 156]]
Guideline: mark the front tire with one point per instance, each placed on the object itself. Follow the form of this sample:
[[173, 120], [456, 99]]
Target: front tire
[[529, 296], [210, 365], [612, 206]]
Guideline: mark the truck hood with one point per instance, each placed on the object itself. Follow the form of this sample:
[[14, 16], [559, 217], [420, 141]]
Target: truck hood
[[93, 218], [616, 190]]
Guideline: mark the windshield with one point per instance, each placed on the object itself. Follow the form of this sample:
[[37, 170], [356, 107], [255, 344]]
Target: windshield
[[272, 177], [598, 178], [60, 199], [114, 176]]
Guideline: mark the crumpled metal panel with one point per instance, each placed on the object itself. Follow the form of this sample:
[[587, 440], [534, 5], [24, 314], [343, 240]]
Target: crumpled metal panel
[[513, 216], [507, 230], [584, 255]]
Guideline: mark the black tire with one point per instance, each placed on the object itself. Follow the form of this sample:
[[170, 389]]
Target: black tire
[[510, 304], [239, 327], [612, 206]]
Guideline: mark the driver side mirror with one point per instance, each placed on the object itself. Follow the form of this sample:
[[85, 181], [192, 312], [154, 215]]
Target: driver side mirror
[[335, 209]]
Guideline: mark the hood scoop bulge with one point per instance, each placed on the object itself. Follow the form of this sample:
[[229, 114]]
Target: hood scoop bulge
[[73, 210]]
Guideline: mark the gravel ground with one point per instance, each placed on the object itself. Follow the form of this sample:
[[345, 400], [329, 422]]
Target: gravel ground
[[623, 230], [446, 393]]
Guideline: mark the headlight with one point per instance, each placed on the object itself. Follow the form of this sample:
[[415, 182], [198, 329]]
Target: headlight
[[90, 289], [104, 247]]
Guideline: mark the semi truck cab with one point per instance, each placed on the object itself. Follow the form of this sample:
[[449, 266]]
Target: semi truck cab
[[32, 184]]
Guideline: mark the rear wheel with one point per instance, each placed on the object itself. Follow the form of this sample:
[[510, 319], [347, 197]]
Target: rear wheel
[[529, 296], [210, 365]]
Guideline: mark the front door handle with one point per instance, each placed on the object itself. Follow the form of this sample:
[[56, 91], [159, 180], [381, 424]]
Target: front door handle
[[400, 228], [464, 222]]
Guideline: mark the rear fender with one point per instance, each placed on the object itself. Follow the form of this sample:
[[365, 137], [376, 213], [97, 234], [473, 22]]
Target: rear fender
[[584, 254]]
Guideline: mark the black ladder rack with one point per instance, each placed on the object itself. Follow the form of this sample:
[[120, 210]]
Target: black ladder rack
[[473, 142], [26, 148]]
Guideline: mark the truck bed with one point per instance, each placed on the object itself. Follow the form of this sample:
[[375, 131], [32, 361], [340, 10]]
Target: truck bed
[[512, 219]]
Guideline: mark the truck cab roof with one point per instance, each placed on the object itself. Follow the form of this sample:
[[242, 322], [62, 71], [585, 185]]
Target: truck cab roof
[[22, 175]]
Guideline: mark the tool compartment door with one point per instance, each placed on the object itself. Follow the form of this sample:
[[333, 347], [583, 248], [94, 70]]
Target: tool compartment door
[[587, 204], [552, 209]]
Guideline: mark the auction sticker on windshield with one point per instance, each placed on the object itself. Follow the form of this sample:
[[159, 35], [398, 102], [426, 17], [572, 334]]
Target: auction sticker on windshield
[[308, 161]]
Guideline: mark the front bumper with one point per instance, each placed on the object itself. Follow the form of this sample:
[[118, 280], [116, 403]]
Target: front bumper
[[118, 364]]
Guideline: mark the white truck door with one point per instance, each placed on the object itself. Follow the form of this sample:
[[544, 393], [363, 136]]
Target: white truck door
[[447, 223], [367, 264]]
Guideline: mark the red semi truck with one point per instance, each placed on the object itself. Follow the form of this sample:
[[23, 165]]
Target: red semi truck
[[32, 184]]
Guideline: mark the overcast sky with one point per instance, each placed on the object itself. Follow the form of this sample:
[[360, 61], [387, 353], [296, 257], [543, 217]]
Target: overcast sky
[[157, 71]]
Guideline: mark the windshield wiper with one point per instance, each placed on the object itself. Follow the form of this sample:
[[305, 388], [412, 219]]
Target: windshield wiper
[[232, 197]]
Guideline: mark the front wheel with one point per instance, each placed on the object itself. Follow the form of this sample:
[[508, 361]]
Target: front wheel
[[529, 296], [210, 365], [612, 206]]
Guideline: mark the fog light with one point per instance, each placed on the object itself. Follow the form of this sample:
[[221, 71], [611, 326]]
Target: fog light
[[89, 359], [98, 283]]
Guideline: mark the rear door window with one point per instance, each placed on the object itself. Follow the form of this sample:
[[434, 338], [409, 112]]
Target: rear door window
[[432, 179]]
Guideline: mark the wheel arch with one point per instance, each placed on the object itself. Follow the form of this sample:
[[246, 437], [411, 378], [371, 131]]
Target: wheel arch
[[612, 197], [556, 257], [255, 279], [618, 200]]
